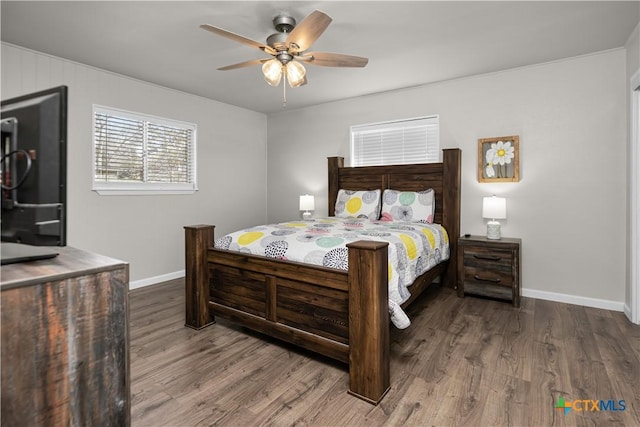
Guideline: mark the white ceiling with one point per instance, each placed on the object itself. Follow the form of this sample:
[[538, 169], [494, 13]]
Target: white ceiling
[[407, 43]]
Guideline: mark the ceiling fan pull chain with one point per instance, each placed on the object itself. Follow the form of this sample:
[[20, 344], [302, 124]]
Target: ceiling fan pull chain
[[284, 91]]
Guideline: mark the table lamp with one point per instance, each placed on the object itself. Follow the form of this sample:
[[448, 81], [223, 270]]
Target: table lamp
[[494, 208], [307, 204]]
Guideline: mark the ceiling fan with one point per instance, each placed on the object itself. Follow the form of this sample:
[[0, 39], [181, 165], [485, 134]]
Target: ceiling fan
[[288, 48]]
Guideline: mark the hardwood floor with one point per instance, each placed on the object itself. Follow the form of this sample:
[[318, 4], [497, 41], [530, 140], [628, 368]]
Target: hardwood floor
[[468, 361]]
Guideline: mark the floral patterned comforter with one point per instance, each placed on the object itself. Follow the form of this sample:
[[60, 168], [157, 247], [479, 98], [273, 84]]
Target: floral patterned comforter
[[413, 248]]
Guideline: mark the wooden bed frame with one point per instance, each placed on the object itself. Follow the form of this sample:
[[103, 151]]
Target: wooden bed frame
[[342, 315]]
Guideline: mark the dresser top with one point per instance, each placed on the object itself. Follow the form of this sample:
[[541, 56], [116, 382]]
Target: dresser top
[[71, 262]]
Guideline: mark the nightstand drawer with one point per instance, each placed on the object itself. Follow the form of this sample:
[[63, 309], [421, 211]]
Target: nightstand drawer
[[498, 259], [488, 276]]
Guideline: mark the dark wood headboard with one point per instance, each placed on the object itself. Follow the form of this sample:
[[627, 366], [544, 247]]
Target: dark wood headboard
[[444, 178]]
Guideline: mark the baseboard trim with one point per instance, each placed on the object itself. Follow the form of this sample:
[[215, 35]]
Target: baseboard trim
[[156, 279], [573, 299]]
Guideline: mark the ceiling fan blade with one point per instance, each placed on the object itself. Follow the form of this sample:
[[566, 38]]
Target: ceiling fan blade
[[238, 38], [244, 64], [327, 59], [306, 32]]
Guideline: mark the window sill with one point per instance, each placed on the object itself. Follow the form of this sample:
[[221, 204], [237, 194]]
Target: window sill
[[119, 192]]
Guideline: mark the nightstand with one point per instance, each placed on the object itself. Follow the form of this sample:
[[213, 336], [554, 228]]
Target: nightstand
[[489, 267]]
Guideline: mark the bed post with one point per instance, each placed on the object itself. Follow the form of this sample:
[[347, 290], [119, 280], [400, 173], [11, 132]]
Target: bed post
[[198, 238], [452, 161], [369, 372], [334, 165]]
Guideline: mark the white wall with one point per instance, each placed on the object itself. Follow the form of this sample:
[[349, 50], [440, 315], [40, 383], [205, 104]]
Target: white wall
[[147, 231], [569, 207], [632, 47]]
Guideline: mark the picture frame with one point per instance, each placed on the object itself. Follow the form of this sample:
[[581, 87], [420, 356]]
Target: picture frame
[[499, 159]]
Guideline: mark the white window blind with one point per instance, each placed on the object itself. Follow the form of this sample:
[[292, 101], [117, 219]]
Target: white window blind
[[398, 142], [136, 153]]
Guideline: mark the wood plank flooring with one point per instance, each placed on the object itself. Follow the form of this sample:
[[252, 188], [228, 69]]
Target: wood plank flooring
[[462, 362]]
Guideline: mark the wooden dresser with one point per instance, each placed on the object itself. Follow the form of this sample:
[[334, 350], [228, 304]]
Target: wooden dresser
[[489, 267], [65, 341]]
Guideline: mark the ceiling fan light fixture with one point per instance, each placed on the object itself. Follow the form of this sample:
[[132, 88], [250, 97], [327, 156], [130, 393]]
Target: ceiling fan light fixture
[[288, 46], [272, 71], [295, 73]]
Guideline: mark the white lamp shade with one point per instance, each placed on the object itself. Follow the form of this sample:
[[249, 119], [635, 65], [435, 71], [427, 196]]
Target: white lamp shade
[[295, 73], [307, 203], [272, 71], [494, 207]]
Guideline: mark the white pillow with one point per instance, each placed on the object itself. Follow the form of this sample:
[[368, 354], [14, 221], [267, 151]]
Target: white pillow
[[408, 206], [358, 204]]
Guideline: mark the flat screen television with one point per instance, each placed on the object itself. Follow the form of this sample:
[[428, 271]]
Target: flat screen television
[[34, 168]]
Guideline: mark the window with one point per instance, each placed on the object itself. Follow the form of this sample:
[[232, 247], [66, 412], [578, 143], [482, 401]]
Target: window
[[139, 154], [398, 142]]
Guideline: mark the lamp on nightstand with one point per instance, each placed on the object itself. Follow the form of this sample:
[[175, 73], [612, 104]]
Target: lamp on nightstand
[[494, 208], [307, 204]]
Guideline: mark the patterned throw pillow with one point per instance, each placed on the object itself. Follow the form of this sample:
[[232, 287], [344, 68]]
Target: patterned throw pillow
[[358, 204], [408, 206]]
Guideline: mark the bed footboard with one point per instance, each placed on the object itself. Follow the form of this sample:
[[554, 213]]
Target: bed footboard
[[343, 315]]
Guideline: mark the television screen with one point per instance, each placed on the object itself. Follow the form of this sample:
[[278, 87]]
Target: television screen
[[34, 168]]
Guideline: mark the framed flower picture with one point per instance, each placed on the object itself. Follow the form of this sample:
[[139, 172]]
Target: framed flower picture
[[499, 159]]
